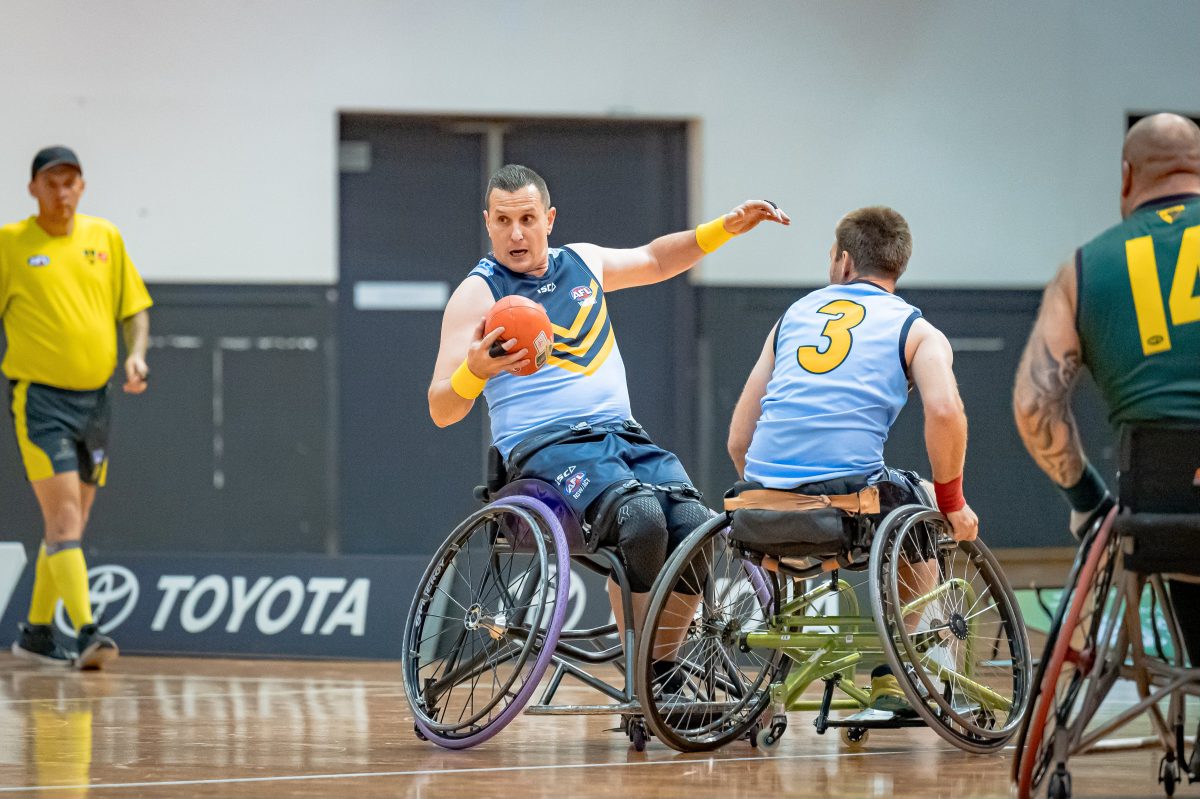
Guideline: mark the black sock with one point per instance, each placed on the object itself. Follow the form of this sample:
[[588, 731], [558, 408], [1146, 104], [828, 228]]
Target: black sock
[[667, 675], [663, 668]]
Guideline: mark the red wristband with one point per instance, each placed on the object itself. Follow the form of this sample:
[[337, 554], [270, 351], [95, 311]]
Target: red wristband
[[949, 495]]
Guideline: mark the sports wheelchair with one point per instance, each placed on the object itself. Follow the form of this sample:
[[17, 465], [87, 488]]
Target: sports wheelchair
[[487, 620], [942, 617], [1098, 636]]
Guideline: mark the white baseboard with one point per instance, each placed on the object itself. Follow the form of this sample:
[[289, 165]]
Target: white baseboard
[[12, 565]]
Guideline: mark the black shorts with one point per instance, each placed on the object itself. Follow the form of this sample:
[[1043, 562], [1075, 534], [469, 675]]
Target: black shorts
[[59, 430]]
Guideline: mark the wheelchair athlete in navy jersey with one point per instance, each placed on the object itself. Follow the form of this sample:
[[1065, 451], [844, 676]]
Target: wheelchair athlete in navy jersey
[[569, 424]]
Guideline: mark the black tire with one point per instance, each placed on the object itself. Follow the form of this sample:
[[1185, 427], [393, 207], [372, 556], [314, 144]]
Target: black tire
[[722, 688], [484, 623], [1068, 686], [965, 667]]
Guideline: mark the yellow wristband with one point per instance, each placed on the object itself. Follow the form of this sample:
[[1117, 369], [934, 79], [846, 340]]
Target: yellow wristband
[[465, 383], [712, 235]]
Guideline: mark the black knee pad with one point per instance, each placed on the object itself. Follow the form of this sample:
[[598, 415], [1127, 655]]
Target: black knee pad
[[630, 517], [685, 512]]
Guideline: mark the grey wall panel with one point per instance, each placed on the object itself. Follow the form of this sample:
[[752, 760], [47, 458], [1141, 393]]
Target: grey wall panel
[[229, 450], [266, 354]]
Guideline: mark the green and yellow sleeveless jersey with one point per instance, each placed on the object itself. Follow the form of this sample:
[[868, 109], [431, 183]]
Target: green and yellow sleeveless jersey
[[1138, 313]]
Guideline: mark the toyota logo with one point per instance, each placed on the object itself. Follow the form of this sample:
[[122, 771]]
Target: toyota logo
[[114, 594]]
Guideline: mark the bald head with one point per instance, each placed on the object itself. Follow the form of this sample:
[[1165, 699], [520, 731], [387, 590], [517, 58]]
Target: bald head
[[1161, 157]]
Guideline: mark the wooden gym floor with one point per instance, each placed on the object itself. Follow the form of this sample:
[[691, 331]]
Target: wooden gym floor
[[184, 727]]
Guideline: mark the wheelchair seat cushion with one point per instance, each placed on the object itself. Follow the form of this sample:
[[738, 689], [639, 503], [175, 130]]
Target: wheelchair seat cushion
[[1160, 542], [842, 515], [825, 532]]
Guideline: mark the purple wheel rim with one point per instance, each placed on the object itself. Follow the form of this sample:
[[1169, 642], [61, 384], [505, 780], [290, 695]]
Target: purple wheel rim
[[562, 561]]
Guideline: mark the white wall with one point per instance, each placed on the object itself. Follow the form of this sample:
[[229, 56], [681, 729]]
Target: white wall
[[208, 129]]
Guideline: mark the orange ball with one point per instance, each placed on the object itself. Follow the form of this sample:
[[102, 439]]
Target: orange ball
[[527, 322]]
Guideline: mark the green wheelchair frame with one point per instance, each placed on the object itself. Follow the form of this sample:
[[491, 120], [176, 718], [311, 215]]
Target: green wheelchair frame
[[955, 702]]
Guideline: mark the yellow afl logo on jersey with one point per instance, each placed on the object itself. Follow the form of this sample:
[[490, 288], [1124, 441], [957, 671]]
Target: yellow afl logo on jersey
[[39, 260], [1168, 214], [585, 345]]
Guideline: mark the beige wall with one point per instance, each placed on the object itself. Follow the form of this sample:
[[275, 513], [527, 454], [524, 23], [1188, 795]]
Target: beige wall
[[209, 129]]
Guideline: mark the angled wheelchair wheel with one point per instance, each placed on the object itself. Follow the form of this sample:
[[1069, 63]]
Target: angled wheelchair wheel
[[714, 689], [951, 630], [485, 621], [1080, 664]]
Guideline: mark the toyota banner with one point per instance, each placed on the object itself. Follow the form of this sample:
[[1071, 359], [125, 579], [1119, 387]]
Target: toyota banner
[[262, 605]]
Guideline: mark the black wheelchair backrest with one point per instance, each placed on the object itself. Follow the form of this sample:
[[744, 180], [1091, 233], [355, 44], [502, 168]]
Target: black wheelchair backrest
[[1159, 468]]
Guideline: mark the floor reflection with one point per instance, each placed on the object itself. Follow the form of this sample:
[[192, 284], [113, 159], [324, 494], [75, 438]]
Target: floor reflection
[[163, 727], [57, 727]]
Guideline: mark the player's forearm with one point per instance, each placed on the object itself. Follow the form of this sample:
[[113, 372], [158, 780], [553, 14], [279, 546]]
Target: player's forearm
[[675, 253], [742, 425], [946, 438], [1042, 409], [445, 405], [136, 331], [738, 446]]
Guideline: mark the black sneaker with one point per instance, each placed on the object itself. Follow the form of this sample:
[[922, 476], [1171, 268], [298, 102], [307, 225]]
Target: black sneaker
[[37, 643], [670, 684], [95, 648]]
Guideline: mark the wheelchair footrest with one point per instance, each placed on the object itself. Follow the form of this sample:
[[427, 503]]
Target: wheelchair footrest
[[584, 710], [869, 719]]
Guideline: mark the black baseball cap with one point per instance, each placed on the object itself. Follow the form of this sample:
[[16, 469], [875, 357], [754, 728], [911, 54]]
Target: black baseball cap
[[54, 156]]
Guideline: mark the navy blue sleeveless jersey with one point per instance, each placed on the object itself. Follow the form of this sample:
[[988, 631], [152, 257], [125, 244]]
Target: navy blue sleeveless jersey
[[584, 377]]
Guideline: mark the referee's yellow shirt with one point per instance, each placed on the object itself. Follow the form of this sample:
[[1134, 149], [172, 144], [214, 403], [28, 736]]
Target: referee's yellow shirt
[[61, 297]]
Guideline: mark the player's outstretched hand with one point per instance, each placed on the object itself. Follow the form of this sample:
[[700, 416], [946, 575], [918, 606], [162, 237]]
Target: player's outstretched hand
[[483, 364], [136, 373], [965, 523], [747, 216]]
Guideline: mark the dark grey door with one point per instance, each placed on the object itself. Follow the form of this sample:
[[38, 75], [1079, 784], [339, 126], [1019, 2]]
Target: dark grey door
[[410, 215]]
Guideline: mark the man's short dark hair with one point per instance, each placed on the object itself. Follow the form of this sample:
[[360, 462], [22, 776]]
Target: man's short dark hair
[[514, 177], [878, 240]]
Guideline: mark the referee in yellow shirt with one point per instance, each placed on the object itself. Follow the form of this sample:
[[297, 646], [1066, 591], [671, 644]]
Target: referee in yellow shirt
[[65, 283]]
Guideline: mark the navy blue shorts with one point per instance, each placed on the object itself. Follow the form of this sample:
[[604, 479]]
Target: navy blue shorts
[[582, 471], [59, 430]]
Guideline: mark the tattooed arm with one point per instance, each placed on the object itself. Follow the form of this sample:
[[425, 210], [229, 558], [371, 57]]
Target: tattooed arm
[[1045, 381]]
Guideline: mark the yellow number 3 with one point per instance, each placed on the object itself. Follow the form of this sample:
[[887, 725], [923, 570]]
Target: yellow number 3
[[846, 315]]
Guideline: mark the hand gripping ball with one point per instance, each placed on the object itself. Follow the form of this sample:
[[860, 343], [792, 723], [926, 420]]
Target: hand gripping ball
[[527, 322]]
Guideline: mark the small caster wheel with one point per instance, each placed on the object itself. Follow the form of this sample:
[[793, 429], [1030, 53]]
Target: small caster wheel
[[417, 731], [765, 740], [638, 734], [1060, 784], [1168, 775], [752, 733], [855, 737]]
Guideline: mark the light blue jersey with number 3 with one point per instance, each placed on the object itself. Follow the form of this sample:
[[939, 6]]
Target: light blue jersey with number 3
[[839, 382]]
